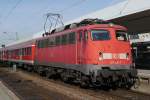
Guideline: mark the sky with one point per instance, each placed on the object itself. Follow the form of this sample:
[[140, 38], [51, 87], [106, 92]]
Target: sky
[[22, 18]]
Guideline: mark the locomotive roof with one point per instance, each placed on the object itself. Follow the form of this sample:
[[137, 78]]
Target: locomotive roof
[[86, 23], [83, 27]]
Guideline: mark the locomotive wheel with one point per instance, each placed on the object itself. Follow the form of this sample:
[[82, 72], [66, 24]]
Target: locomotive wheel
[[64, 77], [48, 74], [84, 82], [25, 67], [114, 85], [29, 68]]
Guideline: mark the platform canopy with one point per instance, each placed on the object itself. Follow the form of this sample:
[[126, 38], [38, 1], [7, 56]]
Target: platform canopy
[[134, 14]]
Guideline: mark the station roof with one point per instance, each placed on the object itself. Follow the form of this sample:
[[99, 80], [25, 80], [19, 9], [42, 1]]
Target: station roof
[[124, 8]]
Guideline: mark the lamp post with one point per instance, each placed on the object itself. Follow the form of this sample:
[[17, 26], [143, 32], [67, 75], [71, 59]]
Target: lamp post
[[16, 35]]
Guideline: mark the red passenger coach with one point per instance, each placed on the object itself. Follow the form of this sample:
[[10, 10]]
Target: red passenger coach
[[19, 53], [91, 52]]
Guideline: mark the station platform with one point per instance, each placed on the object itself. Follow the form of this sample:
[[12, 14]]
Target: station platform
[[6, 94], [144, 72], [144, 77]]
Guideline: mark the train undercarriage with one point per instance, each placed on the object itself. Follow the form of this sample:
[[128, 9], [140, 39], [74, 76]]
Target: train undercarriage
[[104, 79]]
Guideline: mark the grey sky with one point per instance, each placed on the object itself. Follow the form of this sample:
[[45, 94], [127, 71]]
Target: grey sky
[[27, 18]]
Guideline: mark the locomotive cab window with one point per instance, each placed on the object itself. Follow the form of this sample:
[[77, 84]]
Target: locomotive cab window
[[100, 35], [121, 35]]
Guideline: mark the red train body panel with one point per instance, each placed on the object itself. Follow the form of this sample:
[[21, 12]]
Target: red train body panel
[[87, 52]]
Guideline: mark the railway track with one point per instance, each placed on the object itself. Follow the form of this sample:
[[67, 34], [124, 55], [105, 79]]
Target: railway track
[[72, 91]]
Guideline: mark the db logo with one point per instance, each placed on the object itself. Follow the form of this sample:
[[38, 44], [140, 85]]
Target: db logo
[[115, 56]]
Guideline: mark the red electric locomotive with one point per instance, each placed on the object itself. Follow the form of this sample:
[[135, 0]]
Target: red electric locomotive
[[92, 52]]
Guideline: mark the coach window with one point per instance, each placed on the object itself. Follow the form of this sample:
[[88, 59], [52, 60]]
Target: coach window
[[22, 52], [29, 51], [64, 39], [57, 40], [26, 51], [72, 38], [16, 52]]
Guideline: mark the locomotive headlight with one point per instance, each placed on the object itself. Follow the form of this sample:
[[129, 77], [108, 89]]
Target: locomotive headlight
[[124, 55], [100, 56], [105, 56]]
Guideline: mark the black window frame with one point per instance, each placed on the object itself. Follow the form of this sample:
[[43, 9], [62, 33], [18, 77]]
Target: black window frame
[[38, 43], [51, 42], [106, 39], [86, 37], [72, 38], [125, 33], [64, 39], [46, 42], [58, 40], [80, 36]]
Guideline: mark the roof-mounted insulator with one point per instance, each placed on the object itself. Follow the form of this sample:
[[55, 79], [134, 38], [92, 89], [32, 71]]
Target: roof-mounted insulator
[[92, 21], [82, 23], [60, 29], [74, 25], [53, 31]]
